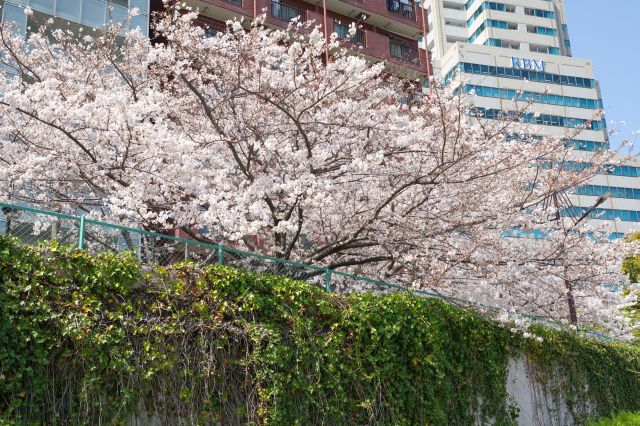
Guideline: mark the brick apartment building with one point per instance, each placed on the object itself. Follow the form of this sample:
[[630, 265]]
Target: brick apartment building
[[389, 30]]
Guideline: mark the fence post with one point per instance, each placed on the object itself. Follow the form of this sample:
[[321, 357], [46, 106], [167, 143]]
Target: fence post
[[327, 280], [220, 259], [81, 233]]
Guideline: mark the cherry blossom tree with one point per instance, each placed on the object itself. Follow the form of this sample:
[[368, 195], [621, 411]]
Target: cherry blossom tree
[[253, 135]]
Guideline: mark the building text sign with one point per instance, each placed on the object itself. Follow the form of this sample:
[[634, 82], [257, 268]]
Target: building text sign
[[527, 64]]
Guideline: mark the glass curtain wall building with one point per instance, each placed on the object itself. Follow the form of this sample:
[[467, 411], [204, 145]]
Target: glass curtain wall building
[[75, 14], [514, 51]]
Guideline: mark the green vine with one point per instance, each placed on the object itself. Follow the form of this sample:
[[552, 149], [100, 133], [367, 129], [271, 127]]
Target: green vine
[[605, 374], [88, 339]]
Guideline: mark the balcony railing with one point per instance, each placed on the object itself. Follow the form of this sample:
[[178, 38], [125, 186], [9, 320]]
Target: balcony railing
[[343, 33], [403, 51], [285, 12], [406, 10]]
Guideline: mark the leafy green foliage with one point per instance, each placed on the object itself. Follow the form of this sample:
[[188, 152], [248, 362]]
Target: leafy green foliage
[[51, 305], [97, 340], [631, 267], [587, 370], [623, 419]]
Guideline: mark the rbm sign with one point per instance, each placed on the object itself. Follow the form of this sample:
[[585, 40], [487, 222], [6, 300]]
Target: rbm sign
[[527, 64]]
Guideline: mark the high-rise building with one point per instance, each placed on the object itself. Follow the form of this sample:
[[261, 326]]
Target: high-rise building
[[520, 50], [74, 14], [388, 30]]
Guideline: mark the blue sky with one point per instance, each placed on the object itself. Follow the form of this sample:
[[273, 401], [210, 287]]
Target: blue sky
[[608, 32]]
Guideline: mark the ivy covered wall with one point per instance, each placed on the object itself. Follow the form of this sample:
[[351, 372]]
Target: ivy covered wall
[[98, 340]]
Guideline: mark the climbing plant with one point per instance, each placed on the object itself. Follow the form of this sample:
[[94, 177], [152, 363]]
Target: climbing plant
[[97, 339], [631, 267]]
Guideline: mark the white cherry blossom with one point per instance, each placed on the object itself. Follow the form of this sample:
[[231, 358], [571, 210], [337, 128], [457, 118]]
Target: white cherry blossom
[[338, 164]]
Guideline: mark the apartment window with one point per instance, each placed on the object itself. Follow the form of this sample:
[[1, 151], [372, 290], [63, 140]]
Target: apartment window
[[469, 4], [401, 49], [542, 30], [342, 31], [285, 12], [493, 42], [453, 6], [539, 13], [401, 7], [453, 23], [489, 5], [538, 48], [492, 23], [502, 43], [501, 7], [479, 31], [454, 39], [209, 32]]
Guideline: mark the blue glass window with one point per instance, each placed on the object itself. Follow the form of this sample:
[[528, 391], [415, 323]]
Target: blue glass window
[[540, 13], [93, 13], [45, 6], [543, 119], [603, 214], [535, 97], [15, 15], [143, 5], [518, 74], [546, 31], [493, 42], [69, 9], [616, 192]]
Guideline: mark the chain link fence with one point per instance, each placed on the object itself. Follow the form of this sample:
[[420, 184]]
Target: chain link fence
[[32, 226]]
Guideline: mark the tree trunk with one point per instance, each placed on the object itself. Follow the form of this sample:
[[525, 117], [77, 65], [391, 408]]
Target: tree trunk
[[571, 302]]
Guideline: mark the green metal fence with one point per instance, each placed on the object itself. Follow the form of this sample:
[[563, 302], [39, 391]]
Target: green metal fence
[[32, 226]]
